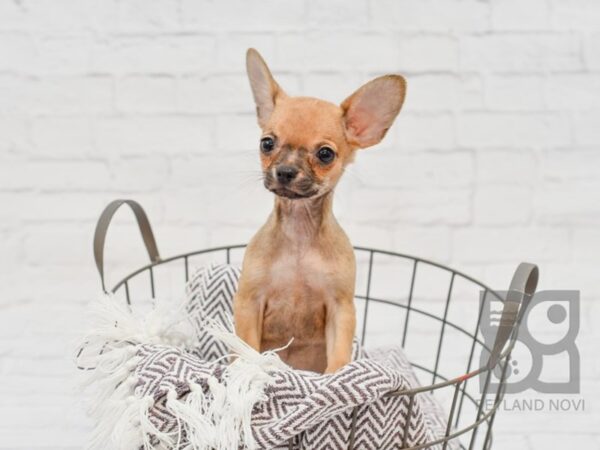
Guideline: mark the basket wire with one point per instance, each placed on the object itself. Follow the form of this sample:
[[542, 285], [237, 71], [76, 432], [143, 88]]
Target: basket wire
[[467, 436]]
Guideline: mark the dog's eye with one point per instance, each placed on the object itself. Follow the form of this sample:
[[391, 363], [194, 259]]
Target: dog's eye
[[267, 144], [325, 155]]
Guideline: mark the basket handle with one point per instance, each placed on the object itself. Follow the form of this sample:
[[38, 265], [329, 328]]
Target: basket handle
[[102, 228], [522, 288]]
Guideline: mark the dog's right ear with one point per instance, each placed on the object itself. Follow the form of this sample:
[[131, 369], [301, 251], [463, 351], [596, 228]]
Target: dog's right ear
[[264, 87]]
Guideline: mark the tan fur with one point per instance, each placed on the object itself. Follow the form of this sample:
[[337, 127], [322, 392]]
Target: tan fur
[[298, 274]]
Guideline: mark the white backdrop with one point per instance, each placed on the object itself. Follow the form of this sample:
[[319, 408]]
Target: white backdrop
[[494, 159]]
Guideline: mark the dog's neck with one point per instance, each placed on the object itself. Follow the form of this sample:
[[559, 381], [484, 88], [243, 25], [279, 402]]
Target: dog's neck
[[300, 220]]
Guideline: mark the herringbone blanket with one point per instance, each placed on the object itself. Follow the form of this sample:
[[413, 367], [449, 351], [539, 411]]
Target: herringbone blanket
[[184, 395]]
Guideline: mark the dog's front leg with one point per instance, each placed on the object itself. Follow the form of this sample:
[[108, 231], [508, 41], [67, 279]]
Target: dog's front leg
[[247, 315], [341, 323]]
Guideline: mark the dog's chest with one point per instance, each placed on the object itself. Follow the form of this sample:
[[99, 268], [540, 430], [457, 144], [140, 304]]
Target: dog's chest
[[299, 290]]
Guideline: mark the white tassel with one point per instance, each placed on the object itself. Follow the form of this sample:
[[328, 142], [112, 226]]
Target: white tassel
[[115, 323], [218, 419], [268, 360], [111, 349], [191, 413], [149, 429]]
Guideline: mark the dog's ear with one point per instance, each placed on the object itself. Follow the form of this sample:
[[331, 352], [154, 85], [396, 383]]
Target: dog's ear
[[371, 110], [264, 87]]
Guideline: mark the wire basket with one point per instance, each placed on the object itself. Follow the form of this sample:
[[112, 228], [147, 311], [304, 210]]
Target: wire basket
[[420, 301]]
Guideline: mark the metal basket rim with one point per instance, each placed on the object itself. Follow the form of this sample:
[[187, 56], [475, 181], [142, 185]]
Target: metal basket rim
[[427, 261], [430, 387]]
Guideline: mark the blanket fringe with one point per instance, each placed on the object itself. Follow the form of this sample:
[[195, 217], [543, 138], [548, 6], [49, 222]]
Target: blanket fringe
[[220, 419], [217, 418]]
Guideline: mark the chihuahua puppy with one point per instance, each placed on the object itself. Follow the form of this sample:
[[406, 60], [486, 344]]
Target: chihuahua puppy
[[298, 273]]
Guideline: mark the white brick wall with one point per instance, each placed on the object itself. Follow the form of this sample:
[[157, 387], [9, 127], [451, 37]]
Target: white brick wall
[[494, 159]]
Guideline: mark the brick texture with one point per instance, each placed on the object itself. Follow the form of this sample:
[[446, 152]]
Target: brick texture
[[493, 160]]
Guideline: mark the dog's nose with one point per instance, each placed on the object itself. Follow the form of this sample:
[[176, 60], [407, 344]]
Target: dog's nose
[[285, 174]]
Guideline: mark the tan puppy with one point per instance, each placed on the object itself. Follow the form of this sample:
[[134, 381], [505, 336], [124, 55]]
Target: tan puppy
[[298, 274]]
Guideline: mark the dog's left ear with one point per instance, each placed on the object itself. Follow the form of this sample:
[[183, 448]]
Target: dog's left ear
[[371, 110], [264, 87]]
